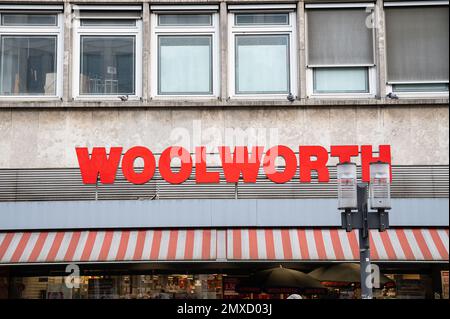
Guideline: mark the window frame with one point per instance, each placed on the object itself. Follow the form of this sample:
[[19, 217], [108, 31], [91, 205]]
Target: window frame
[[372, 70], [289, 29], [45, 31], [417, 94], [390, 84], [182, 30], [100, 31]]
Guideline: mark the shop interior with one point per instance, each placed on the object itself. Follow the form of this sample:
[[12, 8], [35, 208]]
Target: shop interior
[[203, 281]]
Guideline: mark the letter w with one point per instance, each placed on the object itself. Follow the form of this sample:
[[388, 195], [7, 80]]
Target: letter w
[[98, 164], [241, 163]]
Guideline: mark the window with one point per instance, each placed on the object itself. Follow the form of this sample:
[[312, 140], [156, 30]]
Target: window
[[262, 58], [185, 65], [187, 53], [262, 64], [108, 47], [30, 55], [108, 22], [341, 80], [17, 19], [340, 50], [417, 48], [261, 19], [185, 19], [107, 65]]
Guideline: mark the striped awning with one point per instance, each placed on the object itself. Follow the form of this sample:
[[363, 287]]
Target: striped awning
[[220, 245], [337, 244], [107, 246]]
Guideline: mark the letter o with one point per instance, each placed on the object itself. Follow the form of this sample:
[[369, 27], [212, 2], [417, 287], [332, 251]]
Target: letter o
[[186, 165], [128, 165], [290, 167]]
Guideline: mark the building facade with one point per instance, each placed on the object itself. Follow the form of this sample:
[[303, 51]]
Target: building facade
[[159, 73]]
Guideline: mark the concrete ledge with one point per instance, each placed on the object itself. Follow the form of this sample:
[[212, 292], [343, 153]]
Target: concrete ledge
[[206, 213], [179, 103]]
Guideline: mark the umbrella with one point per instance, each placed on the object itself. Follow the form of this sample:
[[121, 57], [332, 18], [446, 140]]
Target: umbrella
[[344, 274], [281, 281]]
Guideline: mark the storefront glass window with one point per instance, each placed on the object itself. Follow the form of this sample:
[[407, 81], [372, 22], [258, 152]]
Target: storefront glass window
[[176, 286]]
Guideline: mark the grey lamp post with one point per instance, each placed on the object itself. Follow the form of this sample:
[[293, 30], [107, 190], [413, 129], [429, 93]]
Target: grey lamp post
[[353, 202]]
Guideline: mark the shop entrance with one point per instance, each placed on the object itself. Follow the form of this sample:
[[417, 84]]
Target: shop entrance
[[202, 281]]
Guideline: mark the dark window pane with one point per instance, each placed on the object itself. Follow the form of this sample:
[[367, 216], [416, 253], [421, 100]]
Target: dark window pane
[[262, 18], [28, 65], [29, 19], [108, 22], [107, 65], [184, 19]]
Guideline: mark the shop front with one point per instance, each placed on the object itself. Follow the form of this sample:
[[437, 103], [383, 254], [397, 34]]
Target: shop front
[[209, 263]]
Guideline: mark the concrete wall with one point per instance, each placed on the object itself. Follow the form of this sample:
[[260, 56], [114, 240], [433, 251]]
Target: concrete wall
[[44, 138], [43, 133]]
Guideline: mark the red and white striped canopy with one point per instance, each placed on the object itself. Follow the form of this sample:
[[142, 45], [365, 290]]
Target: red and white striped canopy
[[95, 246], [336, 244], [220, 245]]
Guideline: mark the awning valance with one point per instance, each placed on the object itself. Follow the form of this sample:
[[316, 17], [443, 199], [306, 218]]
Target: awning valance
[[337, 244], [235, 245], [107, 246]]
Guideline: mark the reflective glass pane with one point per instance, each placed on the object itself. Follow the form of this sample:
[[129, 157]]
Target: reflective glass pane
[[341, 80], [424, 87], [28, 65], [262, 64], [185, 65], [29, 19], [108, 22], [107, 65], [262, 18], [184, 19]]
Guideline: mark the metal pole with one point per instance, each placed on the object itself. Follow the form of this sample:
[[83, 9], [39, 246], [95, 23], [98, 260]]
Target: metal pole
[[364, 243]]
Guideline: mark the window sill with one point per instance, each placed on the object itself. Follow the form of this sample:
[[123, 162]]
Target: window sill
[[188, 98], [259, 97], [29, 98], [412, 95], [356, 96], [106, 98], [177, 103]]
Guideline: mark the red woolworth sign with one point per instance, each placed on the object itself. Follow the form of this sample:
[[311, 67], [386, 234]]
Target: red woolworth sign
[[237, 165]]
